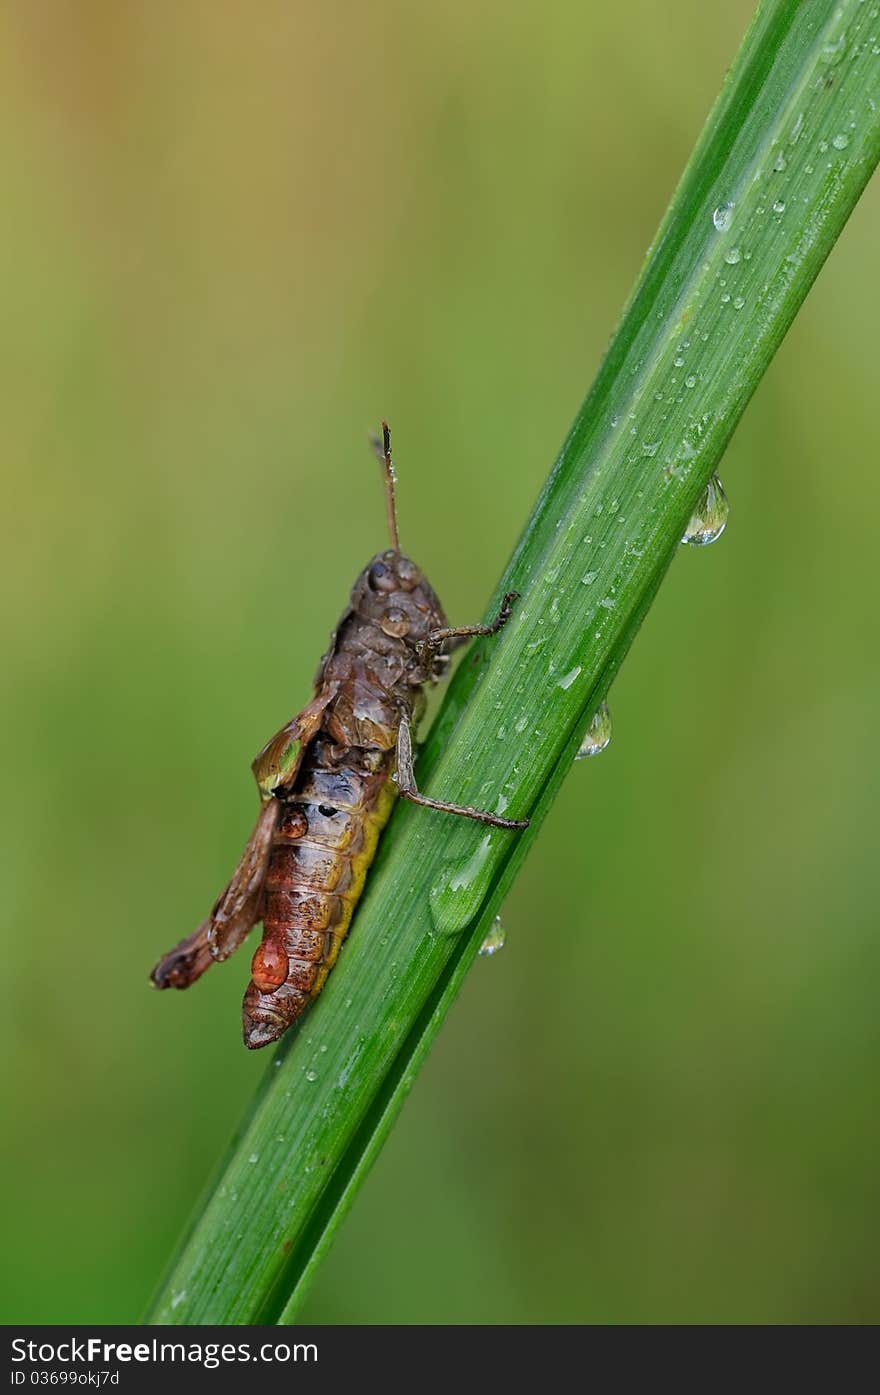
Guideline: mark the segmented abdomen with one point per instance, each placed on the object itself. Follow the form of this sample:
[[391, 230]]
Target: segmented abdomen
[[323, 846]]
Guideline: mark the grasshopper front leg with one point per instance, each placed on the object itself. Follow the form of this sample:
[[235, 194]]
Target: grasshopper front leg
[[453, 635]]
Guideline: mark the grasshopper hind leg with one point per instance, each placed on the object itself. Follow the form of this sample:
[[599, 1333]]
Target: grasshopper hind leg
[[186, 962], [236, 911]]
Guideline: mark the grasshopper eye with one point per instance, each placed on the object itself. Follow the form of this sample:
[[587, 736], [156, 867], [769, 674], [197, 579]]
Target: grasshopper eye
[[381, 578]]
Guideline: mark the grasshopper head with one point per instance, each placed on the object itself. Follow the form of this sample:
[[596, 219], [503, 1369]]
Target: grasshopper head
[[394, 595]]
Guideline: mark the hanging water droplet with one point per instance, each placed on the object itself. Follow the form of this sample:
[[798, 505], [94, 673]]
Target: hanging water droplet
[[732, 256], [709, 519], [495, 938], [598, 733], [723, 216]]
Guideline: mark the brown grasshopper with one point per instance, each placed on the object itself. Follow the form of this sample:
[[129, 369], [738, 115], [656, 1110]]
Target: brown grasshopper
[[328, 781]]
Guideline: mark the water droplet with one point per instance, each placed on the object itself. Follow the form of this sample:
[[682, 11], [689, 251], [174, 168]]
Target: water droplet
[[650, 447], [455, 896], [834, 49], [732, 256], [588, 578], [779, 206], [178, 1298], [311, 1075], [495, 939], [679, 361], [725, 298], [780, 163], [566, 682], [738, 303], [690, 380], [598, 733], [723, 216], [254, 1157], [709, 520], [840, 142]]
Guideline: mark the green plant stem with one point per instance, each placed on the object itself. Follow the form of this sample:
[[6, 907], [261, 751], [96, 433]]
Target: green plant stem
[[784, 156]]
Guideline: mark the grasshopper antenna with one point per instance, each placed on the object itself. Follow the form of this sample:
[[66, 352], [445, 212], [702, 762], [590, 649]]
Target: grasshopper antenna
[[383, 455]]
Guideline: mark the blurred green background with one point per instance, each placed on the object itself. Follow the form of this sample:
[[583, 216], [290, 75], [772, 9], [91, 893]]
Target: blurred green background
[[232, 238]]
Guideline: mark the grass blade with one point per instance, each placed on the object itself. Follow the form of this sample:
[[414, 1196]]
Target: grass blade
[[785, 154]]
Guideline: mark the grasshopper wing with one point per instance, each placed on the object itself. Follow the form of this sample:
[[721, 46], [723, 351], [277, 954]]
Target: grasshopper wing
[[276, 766]]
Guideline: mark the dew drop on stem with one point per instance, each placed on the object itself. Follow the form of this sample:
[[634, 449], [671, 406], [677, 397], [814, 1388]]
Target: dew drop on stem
[[709, 519], [494, 940], [597, 735]]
